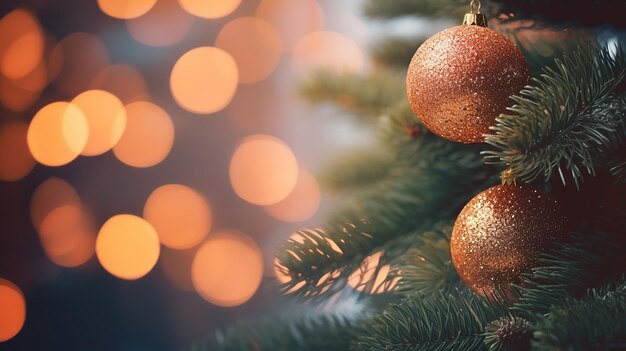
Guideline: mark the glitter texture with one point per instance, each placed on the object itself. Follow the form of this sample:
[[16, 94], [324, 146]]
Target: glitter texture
[[461, 79], [500, 233]]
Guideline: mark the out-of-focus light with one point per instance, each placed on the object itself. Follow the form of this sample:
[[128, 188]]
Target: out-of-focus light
[[14, 97], [165, 24], [176, 264], [83, 57], [125, 9], [127, 246], [148, 136], [15, 158], [255, 45], [19, 94], [13, 307], [49, 195], [22, 43], [180, 215], [57, 134], [294, 19], [204, 80], [328, 50], [302, 203], [227, 269], [263, 170], [106, 117], [68, 236], [209, 8], [123, 81]]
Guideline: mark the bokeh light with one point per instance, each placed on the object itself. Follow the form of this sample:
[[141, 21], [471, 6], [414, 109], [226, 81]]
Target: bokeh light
[[22, 43], [19, 94], [180, 215], [49, 195], [227, 269], [148, 136], [165, 24], [83, 57], [16, 98], [176, 264], [13, 307], [328, 50], [15, 158], [57, 134], [123, 81], [255, 45], [125, 9], [209, 8], [302, 203], [106, 117], [127, 246], [263, 170], [68, 236], [294, 19], [204, 80]]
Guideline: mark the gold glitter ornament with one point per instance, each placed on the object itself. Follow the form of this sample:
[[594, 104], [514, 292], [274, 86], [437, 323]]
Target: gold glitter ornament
[[462, 78], [500, 233]]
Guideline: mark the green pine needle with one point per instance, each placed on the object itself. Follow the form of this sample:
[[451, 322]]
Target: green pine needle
[[366, 96], [562, 123], [595, 323], [280, 333], [436, 322]]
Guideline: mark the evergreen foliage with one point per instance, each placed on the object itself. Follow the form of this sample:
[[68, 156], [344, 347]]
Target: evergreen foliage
[[365, 96], [566, 121], [355, 170], [390, 235], [395, 53], [415, 194], [280, 333], [434, 322]]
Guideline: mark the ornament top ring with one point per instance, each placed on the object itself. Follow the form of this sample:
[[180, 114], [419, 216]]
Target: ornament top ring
[[461, 79]]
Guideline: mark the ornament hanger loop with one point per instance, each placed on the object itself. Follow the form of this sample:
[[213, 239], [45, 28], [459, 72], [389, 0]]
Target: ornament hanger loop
[[475, 7]]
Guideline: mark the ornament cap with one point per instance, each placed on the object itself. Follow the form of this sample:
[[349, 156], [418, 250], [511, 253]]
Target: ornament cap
[[475, 19]]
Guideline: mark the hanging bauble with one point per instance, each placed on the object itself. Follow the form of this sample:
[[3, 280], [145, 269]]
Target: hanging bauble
[[500, 234], [462, 78]]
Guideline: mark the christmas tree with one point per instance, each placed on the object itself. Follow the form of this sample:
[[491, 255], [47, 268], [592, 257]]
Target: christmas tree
[[514, 241]]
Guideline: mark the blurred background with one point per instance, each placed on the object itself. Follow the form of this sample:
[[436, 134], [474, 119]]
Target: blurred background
[[153, 154]]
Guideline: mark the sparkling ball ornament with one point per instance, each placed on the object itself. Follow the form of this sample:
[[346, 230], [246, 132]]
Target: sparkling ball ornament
[[462, 78], [500, 234]]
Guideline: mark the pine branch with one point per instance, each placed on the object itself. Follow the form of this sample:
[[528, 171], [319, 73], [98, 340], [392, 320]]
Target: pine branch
[[355, 170], [427, 267], [395, 52], [564, 120], [597, 322], [441, 322], [279, 333], [364, 96], [427, 172]]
